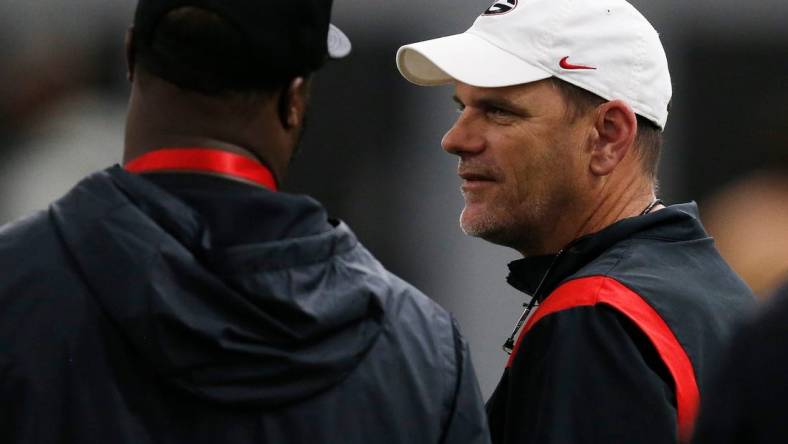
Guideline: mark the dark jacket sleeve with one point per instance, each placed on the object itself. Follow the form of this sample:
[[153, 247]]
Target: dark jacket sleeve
[[587, 375], [467, 423]]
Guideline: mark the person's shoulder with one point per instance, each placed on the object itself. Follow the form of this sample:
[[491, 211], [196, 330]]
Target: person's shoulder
[[419, 320], [26, 236], [780, 299], [404, 303], [409, 313], [757, 348], [686, 283], [687, 272], [40, 288], [770, 323], [38, 264], [408, 301], [747, 388]]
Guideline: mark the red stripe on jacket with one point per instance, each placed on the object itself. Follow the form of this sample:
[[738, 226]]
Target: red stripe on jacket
[[595, 290]]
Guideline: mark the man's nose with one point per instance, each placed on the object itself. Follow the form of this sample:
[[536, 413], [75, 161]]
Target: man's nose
[[463, 138]]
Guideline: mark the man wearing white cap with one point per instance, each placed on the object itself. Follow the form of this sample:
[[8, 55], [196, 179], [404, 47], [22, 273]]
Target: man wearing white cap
[[563, 103]]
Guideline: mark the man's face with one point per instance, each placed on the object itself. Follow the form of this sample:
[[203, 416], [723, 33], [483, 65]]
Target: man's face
[[521, 161]]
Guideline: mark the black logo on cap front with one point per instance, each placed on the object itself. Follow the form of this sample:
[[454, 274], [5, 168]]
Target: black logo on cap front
[[501, 7]]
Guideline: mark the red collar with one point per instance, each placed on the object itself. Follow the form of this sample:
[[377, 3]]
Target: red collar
[[204, 160]]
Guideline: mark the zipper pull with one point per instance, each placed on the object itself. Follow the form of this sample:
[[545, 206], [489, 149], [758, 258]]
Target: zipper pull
[[508, 346]]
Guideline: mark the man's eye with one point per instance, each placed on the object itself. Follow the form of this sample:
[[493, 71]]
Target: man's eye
[[498, 112], [460, 107]]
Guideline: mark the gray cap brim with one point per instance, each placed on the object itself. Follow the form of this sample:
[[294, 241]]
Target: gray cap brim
[[339, 45]]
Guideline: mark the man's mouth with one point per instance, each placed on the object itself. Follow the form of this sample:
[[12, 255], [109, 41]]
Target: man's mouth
[[469, 173], [474, 177], [474, 181]]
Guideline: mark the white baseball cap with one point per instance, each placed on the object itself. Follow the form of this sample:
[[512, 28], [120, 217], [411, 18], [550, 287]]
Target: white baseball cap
[[603, 46]]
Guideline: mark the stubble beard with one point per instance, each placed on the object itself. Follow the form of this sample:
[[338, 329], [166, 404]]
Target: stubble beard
[[481, 227], [527, 222], [520, 230]]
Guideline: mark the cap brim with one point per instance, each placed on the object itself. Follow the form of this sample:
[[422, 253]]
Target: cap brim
[[339, 45], [466, 58]]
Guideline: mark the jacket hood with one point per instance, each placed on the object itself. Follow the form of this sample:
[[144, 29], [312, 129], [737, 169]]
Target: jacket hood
[[264, 323]]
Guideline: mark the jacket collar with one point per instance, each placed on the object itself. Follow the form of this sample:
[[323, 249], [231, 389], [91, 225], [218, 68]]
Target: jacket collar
[[539, 275]]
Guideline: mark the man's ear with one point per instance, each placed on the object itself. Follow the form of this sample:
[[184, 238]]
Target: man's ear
[[293, 103], [130, 60], [616, 127]]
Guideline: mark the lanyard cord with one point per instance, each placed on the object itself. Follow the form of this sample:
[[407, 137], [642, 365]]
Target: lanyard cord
[[204, 160], [650, 207]]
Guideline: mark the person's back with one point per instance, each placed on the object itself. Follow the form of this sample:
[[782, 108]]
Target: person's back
[[182, 299]]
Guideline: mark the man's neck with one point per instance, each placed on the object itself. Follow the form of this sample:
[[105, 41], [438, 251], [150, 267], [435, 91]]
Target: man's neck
[[611, 208], [162, 117], [608, 205]]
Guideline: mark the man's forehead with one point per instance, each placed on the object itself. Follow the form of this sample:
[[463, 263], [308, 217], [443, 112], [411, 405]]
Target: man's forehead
[[526, 92]]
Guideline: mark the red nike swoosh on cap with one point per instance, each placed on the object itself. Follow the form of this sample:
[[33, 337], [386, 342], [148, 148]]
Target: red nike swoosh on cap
[[566, 65]]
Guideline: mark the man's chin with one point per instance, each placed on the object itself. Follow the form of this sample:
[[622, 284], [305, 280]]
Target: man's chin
[[489, 228], [478, 224]]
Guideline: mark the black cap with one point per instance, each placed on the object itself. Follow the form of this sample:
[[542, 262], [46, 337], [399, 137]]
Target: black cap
[[291, 37]]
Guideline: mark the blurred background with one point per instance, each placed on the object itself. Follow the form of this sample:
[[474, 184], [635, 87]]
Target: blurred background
[[372, 152]]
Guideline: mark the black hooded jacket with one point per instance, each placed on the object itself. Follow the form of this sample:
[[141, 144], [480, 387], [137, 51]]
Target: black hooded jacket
[[182, 308]]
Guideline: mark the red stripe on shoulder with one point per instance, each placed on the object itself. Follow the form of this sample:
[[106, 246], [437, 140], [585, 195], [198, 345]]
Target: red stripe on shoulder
[[595, 290]]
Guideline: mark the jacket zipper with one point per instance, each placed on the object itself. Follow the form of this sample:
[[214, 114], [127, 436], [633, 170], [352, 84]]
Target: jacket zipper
[[508, 346]]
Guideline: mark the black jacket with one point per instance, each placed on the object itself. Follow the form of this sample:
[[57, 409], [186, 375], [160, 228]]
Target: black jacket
[[628, 320], [227, 314], [749, 390]]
